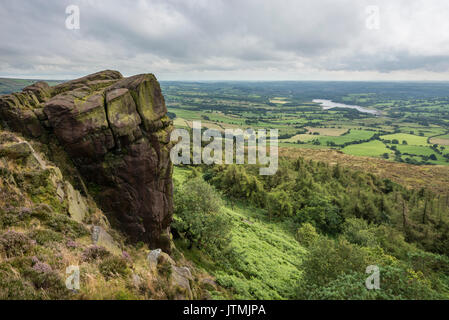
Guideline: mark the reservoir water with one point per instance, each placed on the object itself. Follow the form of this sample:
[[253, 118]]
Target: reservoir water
[[329, 104]]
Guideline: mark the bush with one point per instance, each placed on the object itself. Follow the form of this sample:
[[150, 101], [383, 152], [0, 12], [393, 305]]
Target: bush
[[15, 243], [357, 231], [306, 234], [47, 280], [12, 288], [327, 259], [31, 279], [279, 204], [113, 267], [95, 252], [322, 214], [237, 183]]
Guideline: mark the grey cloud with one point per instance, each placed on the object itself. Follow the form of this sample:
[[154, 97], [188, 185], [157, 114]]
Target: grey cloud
[[180, 37]]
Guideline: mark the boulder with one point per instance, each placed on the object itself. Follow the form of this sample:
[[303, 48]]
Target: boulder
[[180, 279], [77, 205], [153, 258], [103, 239]]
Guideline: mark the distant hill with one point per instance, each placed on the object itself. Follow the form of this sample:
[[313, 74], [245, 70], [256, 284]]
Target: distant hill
[[9, 85]]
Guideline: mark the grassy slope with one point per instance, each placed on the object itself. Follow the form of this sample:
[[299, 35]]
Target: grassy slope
[[269, 255]]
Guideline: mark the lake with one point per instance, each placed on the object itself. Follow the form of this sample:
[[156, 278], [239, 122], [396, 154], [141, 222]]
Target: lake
[[329, 104]]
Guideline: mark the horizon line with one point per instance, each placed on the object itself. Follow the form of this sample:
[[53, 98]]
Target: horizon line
[[236, 80]]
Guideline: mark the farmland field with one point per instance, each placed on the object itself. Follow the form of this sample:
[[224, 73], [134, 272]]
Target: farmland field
[[371, 149], [411, 125], [409, 138]]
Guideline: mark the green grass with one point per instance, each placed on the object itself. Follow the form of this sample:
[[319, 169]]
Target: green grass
[[373, 148], [446, 136], [415, 150], [410, 138]]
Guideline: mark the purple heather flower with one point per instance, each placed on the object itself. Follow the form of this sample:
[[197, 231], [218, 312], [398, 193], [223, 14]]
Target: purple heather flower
[[72, 244], [42, 267]]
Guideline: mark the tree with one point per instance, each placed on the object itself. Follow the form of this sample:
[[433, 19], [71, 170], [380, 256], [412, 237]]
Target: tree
[[197, 216], [322, 214], [279, 204]]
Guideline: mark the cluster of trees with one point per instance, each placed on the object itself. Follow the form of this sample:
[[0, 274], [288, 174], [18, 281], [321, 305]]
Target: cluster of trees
[[349, 220]]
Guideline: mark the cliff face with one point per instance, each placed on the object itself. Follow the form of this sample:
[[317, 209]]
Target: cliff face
[[117, 133]]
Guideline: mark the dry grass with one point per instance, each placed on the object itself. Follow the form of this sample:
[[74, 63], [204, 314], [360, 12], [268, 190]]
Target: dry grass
[[444, 142]]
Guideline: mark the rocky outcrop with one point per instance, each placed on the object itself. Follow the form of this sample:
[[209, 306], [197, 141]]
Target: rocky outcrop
[[116, 132]]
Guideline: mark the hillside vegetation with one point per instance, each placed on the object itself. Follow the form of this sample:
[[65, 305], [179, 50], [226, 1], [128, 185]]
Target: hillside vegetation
[[311, 230]]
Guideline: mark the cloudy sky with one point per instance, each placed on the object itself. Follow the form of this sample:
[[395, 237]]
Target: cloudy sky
[[228, 39]]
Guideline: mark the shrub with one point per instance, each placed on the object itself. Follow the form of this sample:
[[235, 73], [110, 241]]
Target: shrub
[[42, 267], [63, 224], [113, 267], [12, 288], [14, 217], [95, 252], [72, 244], [357, 231], [280, 204], [322, 214], [306, 234], [327, 259], [48, 280], [32, 279], [15, 243]]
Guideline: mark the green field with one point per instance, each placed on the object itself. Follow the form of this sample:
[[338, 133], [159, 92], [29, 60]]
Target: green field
[[410, 138], [411, 112], [373, 148], [416, 150]]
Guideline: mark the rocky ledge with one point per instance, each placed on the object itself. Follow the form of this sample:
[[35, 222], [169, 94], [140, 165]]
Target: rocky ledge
[[117, 133]]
